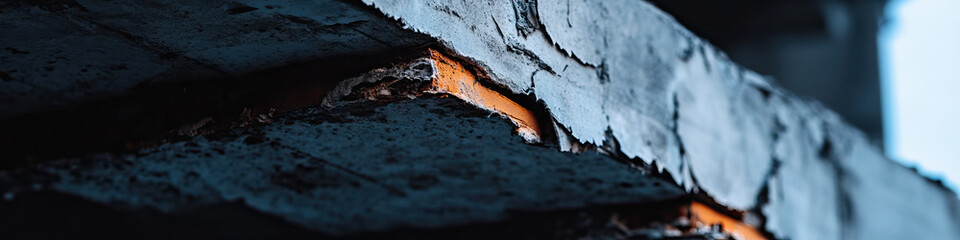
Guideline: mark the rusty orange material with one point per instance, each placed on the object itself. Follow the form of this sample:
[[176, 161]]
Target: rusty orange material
[[708, 216], [452, 78]]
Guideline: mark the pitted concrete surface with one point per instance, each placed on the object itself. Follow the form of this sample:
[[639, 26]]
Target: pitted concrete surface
[[57, 54], [131, 72], [425, 163]]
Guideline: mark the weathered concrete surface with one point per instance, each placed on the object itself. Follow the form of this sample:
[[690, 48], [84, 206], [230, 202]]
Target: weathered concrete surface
[[131, 71], [616, 73], [366, 167], [624, 70], [56, 53]]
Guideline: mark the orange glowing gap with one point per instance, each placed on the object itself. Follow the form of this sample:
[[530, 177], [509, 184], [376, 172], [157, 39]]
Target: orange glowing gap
[[452, 78], [708, 216]]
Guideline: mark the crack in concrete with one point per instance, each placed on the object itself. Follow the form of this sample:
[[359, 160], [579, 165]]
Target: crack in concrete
[[531, 56], [499, 31], [829, 154], [528, 20], [685, 167], [763, 196]]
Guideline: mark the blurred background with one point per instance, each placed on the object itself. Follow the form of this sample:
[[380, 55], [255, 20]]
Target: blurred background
[[889, 67]]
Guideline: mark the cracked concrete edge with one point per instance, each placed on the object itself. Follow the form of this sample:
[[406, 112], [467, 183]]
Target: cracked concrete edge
[[665, 96]]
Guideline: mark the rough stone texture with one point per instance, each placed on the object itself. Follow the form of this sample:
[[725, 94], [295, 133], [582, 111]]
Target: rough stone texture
[[425, 163], [61, 53], [625, 70], [616, 71], [131, 72]]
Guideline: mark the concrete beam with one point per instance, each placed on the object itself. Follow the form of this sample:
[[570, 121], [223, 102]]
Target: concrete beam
[[625, 72]]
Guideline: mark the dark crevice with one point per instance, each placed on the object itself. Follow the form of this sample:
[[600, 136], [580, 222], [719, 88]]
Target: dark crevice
[[575, 143], [298, 19], [674, 127], [687, 52], [533, 82], [706, 62], [693, 179], [16, 51], [703, 195], [764, 92], [603, 73], [532, 57], [499, 31], [611, 148], [240, 9], [528, 21], [4, 76], [30, 215], [571, 54], [828, 152], [150, 114], [763, 197], [447, 10]]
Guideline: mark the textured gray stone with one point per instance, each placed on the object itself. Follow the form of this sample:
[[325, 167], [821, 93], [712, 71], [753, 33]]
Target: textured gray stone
[[666, 97]]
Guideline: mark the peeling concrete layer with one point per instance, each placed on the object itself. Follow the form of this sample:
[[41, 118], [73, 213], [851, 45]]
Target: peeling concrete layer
[[624, 71]]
